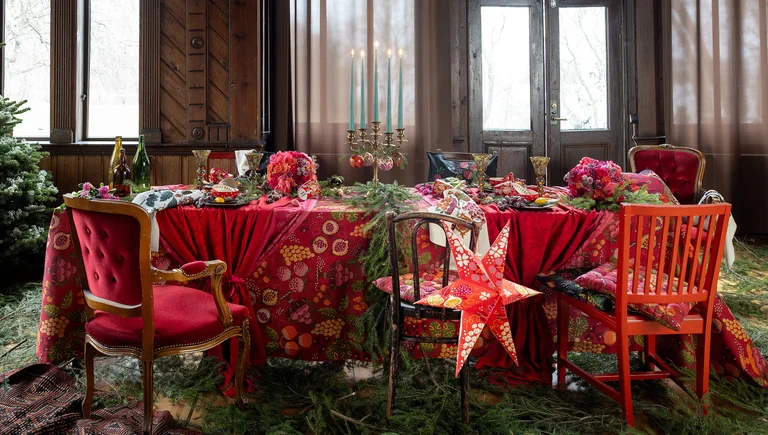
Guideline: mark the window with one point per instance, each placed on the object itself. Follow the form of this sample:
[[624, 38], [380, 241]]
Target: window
[[112, 70], [27, 63]]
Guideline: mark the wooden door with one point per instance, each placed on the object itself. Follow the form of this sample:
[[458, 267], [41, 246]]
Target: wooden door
[[584, 92], [545, 79], [506, 64]]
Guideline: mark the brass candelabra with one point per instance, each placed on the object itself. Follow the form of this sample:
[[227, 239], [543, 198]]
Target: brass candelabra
[[382, 154]]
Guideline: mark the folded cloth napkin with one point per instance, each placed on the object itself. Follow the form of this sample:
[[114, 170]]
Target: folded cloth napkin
[[154, 200], [458, 204], [242, 162]]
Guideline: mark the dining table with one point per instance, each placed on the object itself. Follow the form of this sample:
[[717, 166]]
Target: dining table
[[296, 265]]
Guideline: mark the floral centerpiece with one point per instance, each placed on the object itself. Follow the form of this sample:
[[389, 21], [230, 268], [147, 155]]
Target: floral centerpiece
[[594, 179], [598, 185], [288, 170]]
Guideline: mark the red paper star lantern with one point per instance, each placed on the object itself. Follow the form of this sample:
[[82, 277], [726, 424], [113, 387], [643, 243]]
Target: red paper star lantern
[[481, 292]]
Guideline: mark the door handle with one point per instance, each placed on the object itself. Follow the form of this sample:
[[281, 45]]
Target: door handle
[[554, 118]]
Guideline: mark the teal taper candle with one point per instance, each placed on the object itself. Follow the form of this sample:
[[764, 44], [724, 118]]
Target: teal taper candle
[[352, 93], [376, 81], [362, 89], [400, 94], [389, 92]]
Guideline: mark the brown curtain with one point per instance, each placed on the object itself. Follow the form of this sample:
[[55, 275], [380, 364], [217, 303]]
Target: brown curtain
[[322, 33], [717, 99]]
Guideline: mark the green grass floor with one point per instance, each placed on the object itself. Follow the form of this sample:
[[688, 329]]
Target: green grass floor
[[295, 397]]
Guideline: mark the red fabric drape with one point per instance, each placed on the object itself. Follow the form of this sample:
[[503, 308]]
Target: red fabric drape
[[538, 242], [241, 237]]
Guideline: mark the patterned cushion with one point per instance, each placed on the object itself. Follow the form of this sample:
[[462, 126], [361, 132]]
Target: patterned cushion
[[430, 281], [653, 182], [562, 281], [603, 279]]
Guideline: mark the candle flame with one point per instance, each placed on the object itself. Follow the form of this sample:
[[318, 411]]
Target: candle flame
[[376, 44], [389, 52], [352, 52], [362, 53], [401, 52]]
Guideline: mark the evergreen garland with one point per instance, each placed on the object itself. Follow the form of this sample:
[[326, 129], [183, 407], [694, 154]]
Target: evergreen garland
[[25, 190], [376, 201]]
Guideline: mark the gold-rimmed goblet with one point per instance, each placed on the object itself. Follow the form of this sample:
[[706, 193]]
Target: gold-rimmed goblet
[[201, 158], [482, 160], [540, 169]]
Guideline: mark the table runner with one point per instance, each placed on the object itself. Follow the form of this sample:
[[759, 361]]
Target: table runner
[[308, 294]]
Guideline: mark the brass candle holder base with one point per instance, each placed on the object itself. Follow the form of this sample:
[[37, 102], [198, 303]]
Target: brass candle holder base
[[386, 153]]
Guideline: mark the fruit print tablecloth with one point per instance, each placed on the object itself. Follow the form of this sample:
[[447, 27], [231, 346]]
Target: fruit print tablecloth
[[306, 289]]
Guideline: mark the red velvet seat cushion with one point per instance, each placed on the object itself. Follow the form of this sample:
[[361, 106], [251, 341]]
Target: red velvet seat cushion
[[183, 315], [678, 169]]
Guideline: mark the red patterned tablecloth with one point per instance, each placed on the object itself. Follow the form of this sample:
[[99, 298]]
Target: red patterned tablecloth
[[297, 269]]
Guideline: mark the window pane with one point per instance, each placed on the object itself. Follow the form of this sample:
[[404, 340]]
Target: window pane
[[583, 71], [27, 63], [113, 82], [506, 68]]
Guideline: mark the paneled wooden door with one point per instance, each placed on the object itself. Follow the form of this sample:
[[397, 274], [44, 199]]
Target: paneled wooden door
[[545, 79], [584, 83]]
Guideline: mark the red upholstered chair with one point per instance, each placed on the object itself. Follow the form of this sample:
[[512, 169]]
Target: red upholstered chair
[[129, 316], [703, 248], [682, 169]]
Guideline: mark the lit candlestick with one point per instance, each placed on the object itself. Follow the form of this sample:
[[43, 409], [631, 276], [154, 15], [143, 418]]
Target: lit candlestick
[[389, 92], [400, 94], [362, 89], [352, 92], [376, 81]]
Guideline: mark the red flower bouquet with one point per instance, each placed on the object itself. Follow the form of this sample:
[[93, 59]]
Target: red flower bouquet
[[595, 179], [288, 170]]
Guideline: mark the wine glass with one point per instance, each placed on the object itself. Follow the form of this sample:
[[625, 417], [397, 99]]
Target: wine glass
[[201, 158], [482, 160], [540, 169]]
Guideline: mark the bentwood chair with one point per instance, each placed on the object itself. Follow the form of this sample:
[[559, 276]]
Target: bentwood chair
[[128, 315], [699, 248], [681, 168], [404, 293]]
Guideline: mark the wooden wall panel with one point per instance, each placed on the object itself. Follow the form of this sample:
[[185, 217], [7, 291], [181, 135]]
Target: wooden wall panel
[[173, 71]]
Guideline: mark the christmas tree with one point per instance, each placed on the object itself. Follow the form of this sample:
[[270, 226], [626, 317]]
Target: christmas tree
[[26, 191]]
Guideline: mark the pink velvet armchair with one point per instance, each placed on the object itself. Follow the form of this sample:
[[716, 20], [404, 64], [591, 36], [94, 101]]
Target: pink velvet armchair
[[681, 168]]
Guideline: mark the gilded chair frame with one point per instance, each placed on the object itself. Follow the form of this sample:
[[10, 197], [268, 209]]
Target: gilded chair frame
[[147, 354], [401, 309], [697, 190]]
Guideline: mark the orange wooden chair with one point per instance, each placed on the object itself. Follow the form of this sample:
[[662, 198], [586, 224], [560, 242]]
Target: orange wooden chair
[[127, 315], [671, 227]]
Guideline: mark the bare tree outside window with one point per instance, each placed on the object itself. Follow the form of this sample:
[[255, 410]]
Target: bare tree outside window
[[113, 81], [506, 68], [583, 69], [27, 63]]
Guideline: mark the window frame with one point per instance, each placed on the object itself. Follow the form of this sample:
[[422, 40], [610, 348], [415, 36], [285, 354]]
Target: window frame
[[3, 16], [85, 79]]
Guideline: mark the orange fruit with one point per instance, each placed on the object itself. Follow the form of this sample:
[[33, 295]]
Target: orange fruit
[[305, 340], [291, 348], [289, 332], [609, 337]]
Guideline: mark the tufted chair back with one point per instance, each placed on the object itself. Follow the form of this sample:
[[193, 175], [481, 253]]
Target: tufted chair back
[[113, 242], [681, 168]]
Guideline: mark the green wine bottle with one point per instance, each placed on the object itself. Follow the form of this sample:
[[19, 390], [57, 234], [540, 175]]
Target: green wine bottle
[[140, 169]]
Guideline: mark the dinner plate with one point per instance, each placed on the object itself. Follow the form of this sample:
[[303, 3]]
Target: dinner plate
[[236, 203]]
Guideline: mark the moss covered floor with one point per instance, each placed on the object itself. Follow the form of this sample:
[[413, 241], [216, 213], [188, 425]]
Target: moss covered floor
[[295, 397]]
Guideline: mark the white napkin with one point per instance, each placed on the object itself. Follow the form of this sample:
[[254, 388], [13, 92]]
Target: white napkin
[[730, 232], [458, 204], [242, 161]]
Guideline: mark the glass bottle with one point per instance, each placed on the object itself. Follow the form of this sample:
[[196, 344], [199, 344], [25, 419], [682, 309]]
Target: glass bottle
[[140, 168], [122, 176], [114, 161]]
